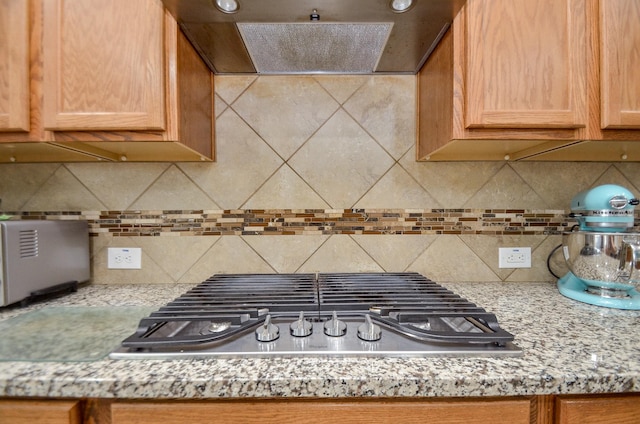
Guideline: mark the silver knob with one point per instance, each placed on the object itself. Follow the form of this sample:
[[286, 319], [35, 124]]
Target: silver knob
[[267, 332], [301, 327], [369, 331], [335, 327]]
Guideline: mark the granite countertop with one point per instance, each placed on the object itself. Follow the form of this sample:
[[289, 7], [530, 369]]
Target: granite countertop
[[569, 347]]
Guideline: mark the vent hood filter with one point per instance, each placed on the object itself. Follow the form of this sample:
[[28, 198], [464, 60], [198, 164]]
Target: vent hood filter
[[277, 48]]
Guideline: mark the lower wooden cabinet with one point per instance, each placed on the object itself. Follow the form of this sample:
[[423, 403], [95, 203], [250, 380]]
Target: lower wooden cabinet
[[598, 410], [550, 409], [40, 412]]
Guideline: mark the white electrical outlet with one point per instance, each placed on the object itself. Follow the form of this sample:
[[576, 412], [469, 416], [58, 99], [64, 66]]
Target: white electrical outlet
[[124, 258], [514, 257]]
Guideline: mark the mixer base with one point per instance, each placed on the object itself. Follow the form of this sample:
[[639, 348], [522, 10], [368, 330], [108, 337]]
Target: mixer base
[[574, 288]]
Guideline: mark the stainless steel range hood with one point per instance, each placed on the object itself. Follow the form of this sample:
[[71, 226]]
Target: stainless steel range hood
[[314, 36]]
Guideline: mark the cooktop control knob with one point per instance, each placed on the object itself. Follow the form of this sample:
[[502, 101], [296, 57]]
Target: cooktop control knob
[[369, 331], [301, 327], [335, 327], [267, 332]]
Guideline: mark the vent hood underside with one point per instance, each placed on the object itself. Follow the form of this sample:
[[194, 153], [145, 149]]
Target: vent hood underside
[[279, 37]]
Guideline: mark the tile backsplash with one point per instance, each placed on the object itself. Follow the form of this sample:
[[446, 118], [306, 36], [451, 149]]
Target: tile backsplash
[[313, 173]]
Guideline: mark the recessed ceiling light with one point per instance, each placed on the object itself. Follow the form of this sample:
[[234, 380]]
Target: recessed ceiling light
[[227, 6], [400, 6]]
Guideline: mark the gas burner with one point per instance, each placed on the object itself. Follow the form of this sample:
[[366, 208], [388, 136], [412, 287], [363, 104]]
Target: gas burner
[[343, 314]]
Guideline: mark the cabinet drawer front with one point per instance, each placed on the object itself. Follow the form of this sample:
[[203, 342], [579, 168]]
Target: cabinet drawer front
[[320, 412], [103, 65], [526, 64]]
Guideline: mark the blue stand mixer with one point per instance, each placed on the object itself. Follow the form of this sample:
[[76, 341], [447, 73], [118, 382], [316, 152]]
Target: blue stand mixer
[[603, 254]]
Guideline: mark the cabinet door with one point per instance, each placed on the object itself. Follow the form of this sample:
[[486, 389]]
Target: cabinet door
[[103, 65], [598, 410], [39, 412], [14, 65], [620, 63], [526, 64]]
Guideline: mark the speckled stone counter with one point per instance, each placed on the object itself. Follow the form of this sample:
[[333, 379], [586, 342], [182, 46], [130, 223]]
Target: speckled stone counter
[[568, 347]]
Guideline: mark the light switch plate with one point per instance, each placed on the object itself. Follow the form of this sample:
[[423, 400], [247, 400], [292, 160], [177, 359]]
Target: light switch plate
[[124, 258], [514, 257]]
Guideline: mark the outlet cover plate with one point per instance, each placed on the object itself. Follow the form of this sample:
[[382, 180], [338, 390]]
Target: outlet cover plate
[[514, 257], [124, 258]]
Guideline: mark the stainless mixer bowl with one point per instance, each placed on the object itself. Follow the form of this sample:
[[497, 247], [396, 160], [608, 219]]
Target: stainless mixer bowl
[[609, 261]]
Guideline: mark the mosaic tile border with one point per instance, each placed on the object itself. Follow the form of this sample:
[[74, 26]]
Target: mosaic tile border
[[317, 221]]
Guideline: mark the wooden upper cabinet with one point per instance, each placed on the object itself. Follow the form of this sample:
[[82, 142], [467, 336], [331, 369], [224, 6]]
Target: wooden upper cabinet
[[507, 80], [620, 64], [14, 65], [84, 80], [525, 64], [103, 65]]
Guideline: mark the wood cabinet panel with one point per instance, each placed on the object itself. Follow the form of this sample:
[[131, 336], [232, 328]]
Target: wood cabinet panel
[[620, 63], [598, 410], [525, 66], [40, 412], [493, 91], [510, 411], [14, 65], [103, 65]]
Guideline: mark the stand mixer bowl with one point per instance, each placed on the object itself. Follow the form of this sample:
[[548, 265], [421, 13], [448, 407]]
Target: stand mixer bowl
[[607, 263]]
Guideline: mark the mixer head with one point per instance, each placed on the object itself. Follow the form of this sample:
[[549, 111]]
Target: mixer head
[[607, 208]]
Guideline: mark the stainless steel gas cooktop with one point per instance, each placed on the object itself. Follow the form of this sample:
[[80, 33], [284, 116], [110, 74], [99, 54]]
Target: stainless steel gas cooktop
[[334, 314]]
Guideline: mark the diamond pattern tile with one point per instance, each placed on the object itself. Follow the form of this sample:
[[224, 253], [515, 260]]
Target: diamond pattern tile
[[285, 189], [385, 107], [173, 190], [63, 192], [244, 163], [127, 181], [312, 142], [285, 111], [349, 155]]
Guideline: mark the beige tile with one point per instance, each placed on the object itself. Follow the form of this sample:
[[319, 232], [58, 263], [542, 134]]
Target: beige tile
[[632, 172], [244, 163], [18, 182], [449, 259], [176, 255], [173, 190], [63, 192], [117, 185], [150, 273], [397, 190], [394, 253], [285, 253], [340, 254], [505, 190], [285, 111], [341, 162], [612, 176], [558, 182], [341, 87], [451, 184], [229, 87], [285, 190], [229, 255], [386, 107], [219, 106]]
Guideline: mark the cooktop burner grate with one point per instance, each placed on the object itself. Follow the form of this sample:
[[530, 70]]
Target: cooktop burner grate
[[255, 312]]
